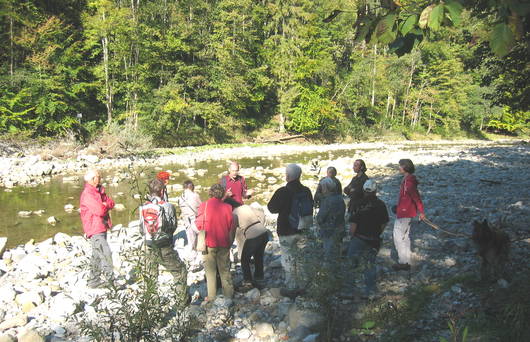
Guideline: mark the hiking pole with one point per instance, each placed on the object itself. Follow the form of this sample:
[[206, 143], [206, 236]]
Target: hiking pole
[[432, 225]]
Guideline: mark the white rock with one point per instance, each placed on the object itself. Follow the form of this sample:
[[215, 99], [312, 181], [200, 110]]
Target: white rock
[[17, 321], [7, 338], [52, 220], [7, 294], [264, 329], [62, 239], [61, 307], [119, 207], [25, 213], [243, 334], [30, 336], [69, 207]]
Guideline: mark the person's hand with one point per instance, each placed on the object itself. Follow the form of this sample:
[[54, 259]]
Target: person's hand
[[422, 216], [228, 193]]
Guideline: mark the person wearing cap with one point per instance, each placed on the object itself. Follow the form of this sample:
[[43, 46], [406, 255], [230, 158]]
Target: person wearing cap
[[235, 186], [330, 217], [164, 177], [408, 207], [366, 226]]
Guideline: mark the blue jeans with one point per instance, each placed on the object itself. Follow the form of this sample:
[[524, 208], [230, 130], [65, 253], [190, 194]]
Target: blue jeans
[[363, 256]]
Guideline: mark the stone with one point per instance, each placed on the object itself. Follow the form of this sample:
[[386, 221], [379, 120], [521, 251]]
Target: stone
[[52, 220], [7, 338], [299, 333], [25, 213], [3, 244], [221, 301], [311, 338], [264, 330], [253, 295], [17, 321], [303, 314], [119, 207], [69, 207], [243, 333], [30, 336], [62, 306], [503, 283], [62, 239]]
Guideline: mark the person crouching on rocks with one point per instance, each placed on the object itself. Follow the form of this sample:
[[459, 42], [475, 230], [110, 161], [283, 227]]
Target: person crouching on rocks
[[366, 226], [95, 205], [158, 222], [409, 204], [216, 219], [251, 237], [330, 217]]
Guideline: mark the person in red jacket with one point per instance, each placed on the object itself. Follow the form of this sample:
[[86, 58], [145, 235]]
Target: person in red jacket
[[216, 218], [95, 205], [235, 186], [408, 207]]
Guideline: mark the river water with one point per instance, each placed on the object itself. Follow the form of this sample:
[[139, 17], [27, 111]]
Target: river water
[[52, 197]]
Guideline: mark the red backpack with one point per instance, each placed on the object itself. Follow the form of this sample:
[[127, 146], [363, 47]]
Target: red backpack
[[152, 219]]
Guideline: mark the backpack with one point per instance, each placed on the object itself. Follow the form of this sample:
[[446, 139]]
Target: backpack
[[152, 220], [301, 205]]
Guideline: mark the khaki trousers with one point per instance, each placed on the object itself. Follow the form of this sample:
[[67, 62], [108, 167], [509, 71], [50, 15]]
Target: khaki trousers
[[218, 258]]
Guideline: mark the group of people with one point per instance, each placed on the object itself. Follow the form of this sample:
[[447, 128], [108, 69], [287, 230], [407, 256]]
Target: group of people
[[225, 218]]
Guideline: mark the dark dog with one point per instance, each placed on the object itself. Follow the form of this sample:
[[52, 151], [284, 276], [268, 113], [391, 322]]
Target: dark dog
[[493, 248]]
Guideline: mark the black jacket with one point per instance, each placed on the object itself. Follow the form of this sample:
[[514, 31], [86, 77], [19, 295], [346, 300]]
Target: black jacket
[[280, 204]]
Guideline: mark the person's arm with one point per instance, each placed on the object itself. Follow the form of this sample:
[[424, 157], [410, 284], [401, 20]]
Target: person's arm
[[199, 221], [277, 201], [94, 204], [109, 203], [246, 192], [323, 213], [172, 219], [233, 226], [412, 191]]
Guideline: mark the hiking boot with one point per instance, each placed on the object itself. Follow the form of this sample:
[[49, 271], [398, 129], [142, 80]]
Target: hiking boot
[[401, 267]]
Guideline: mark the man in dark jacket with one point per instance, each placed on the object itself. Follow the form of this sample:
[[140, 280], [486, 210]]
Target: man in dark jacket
[[95, 205], [366, 226], [280, 204], [160, 243]]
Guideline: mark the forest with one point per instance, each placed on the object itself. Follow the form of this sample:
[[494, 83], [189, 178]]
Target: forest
[[192, 72]]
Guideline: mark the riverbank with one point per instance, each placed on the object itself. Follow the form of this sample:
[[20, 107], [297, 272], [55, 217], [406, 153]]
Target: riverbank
[[33, 168], [43, 285]]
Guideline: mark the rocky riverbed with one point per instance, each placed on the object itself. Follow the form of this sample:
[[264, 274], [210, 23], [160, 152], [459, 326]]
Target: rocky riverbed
[[43, 292]]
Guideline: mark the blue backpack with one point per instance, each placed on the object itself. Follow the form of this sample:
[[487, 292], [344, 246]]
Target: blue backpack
[[301, 205]]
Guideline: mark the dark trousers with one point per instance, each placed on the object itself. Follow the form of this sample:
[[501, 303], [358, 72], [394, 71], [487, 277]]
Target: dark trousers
[[254, 248]]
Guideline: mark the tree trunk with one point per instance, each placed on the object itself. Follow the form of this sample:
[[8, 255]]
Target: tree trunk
[[373, 75], [405, 101], [11, 51], [108, 87]]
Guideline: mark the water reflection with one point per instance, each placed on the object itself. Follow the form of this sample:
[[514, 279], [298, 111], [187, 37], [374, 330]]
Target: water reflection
[[54, 195]]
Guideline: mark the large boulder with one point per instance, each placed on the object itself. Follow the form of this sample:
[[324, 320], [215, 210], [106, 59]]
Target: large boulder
[[304, 313], [30, 336], [61, 307]]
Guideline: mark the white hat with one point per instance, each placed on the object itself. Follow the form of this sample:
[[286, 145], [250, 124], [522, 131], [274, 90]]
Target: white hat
[[370, 186]]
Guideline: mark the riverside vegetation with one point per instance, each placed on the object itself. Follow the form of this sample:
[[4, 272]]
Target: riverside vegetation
[[44, 294], [194, 72]]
